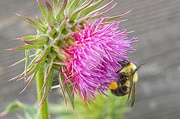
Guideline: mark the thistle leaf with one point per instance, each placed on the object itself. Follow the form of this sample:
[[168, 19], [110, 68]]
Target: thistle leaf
[[27, 47], [101, 8], [41, 21], [44, 55], [21, 61], [73, 6], [58, 1], [50, 16], [55, 5], [29, 68], [48, 84], [30, 82], [36, 25], [60, 16], [100, 15], [29, 72], [67, 88], [59, 55], [82, 19], [68, 4], [41, 40], [62, 89], [63, 24], [21, 75], [43, 10], [75, 13], [29, 37], [31, 112], [47, 72], [116, 17], [87, 10], [11, 107], [52, 32], [27, 53], [48, 6]]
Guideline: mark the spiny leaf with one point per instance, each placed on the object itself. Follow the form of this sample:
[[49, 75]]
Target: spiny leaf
[[116, 17], [55, 5], [63, 24], [29, 68], [27, 53], [100, 15], [27, 47], [48, 85], [31, 112], [41, 40], [44, 55], [48, 6], [30, 82], [75, 13], [34, 59], [82, 19], [47, 73], [29, 37], [101, 8], [41, 21], [58, 2], [59, 54], [68, 4], [62, 89], [85, 2], [73, 6], [50, 16], [11, 107], [60, 16], [29, 72], [21, 60], [84, 12], [36, 25], [68, 89], [52, 32], [43, 10]]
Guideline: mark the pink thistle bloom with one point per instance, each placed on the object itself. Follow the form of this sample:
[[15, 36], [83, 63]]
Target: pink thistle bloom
[[92, 61]]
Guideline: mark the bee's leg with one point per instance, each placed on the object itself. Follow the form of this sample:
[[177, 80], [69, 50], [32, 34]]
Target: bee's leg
[[114, 92], [121, 91], [125, 75], [124, 87], [118, 71]]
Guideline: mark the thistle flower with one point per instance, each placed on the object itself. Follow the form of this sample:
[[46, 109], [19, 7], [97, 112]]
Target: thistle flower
[[80, 43], [91, 62]]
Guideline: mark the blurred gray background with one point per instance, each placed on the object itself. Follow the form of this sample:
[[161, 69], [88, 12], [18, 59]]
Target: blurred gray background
[[156, 24]]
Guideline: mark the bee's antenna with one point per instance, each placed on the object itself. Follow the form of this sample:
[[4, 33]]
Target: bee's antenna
[[138, 67]]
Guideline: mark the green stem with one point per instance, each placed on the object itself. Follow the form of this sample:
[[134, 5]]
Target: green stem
[[44, 112]]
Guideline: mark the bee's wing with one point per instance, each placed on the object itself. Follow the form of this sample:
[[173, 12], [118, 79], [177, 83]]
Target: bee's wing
[[133, 95], [130, 86]]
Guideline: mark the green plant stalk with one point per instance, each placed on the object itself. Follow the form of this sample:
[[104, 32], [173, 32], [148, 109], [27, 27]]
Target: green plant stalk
[[44, 111]]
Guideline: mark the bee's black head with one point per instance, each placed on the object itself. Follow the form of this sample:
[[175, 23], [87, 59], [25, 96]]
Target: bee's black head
[[124, 63]]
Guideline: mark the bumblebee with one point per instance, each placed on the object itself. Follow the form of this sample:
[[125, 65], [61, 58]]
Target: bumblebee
[[126, 83]]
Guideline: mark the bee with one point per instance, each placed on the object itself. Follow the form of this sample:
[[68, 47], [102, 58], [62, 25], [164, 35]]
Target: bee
[[128, 76]]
